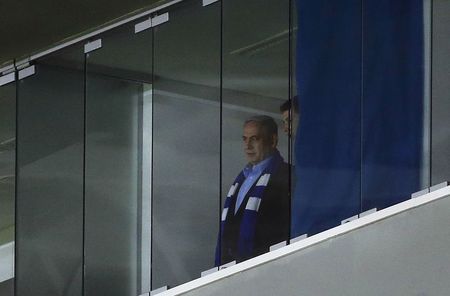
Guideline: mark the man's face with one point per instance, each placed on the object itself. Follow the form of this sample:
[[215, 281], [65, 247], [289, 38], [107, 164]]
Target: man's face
[[257, 146], [285, 116], [286, 127]]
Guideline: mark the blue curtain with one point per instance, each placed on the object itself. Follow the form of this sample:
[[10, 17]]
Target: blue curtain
[[360, 87], [392, 101], [327, 145]]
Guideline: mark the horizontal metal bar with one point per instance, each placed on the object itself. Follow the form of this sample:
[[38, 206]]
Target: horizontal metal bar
[[7, 78], [101, 30]]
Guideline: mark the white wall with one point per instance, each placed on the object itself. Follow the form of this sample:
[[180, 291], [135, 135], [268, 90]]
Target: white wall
[[405, 254]]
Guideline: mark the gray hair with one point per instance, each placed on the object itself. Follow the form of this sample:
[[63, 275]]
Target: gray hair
[[267, 123]]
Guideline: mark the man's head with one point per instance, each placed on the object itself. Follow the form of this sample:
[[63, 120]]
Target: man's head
[[260, 138], [285, 109]]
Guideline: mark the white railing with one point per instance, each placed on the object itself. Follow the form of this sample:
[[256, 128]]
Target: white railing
[[417, 200]]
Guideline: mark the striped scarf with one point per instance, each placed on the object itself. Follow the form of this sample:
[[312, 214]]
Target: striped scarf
[[250, 215]]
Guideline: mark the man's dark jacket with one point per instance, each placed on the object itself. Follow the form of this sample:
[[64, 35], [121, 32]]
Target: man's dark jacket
[[273, 219]]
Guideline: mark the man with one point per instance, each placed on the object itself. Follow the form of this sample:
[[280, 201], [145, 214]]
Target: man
[[290, 121], [256, 210]]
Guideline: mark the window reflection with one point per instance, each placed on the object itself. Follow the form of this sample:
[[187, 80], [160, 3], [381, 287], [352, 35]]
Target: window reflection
[[50, 176]]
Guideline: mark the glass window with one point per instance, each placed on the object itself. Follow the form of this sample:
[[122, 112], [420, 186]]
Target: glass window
[[255, 174], [49, 242], [186, 143], [440, 143], [117, 176], [7, 184]]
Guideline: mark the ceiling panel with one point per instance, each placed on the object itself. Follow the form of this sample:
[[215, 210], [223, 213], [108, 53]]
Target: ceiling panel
[[27, 26]]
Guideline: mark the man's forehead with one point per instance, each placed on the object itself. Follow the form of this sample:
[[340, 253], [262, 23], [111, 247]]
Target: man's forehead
[[252, 127]]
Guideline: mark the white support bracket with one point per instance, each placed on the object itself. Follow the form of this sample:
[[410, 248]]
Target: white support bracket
[[209, 271], [160, 19], [7, 78], [159, 290], [151, 22], [439, 186], [142, 26], [277, 246], [368, 212], [349, 219], [298, 238], [93, 45], [24, 73], [208, 2], [420, 193], [226, 265]]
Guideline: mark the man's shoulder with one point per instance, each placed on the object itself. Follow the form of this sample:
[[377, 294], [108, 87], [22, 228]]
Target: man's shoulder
[[282, 173], [283, 169]]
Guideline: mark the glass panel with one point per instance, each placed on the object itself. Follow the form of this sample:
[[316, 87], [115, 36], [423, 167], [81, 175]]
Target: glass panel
[[186, 138], [118, 95], [395, 124], [440, 161], [255, 83], [7, 288], [7, 185], [50, 177], [290, 111]]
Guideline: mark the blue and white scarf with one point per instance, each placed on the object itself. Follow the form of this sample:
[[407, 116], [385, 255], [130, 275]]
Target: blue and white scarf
[[250, 215]]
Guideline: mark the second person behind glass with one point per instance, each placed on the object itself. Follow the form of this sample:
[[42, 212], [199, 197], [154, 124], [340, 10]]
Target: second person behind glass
[[256, 211]]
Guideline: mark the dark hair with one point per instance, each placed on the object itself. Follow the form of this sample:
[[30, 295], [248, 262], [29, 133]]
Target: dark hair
[[286, 106], [267, 123]]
